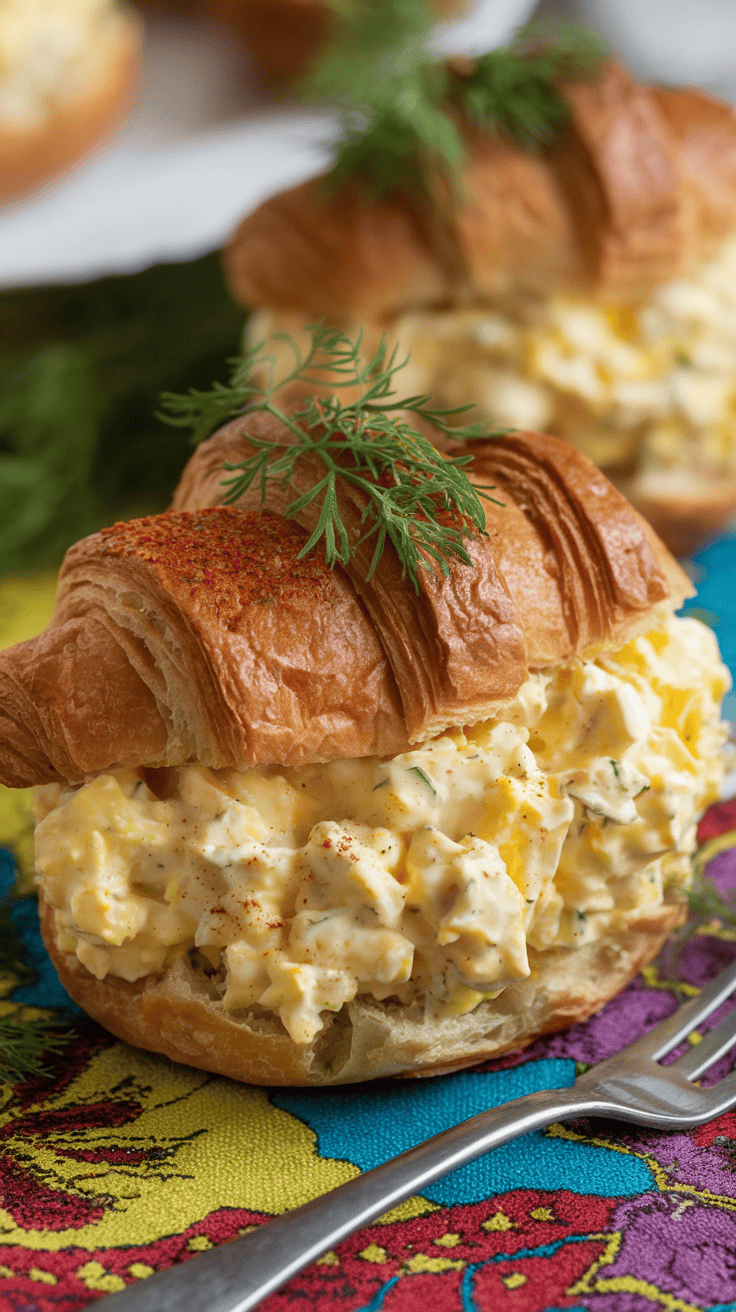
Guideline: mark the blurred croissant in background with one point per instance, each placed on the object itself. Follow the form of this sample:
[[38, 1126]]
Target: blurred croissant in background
[[69, 72], [583, 284], [282, 37]]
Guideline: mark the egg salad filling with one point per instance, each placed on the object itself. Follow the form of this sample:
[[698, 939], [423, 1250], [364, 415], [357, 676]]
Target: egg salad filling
[[644, 389], [651, 385], [50, 50], [425, 877]]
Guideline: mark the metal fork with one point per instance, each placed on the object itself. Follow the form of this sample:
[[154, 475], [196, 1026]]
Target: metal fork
[[632, 1086]]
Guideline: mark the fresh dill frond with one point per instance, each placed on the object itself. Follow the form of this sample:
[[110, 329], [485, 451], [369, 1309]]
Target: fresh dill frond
[[709, 911], [26, 1041], [403, 111], [420, 501], [376, 47], [394, 130], [513, 91], [407, 145], [706, 905], [27, 1034]]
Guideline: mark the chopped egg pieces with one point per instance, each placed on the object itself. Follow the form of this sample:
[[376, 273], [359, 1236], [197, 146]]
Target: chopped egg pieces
[[427, 878]]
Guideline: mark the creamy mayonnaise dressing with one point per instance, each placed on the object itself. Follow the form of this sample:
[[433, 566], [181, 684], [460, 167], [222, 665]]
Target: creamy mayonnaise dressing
[[424, 876], [49, 51]]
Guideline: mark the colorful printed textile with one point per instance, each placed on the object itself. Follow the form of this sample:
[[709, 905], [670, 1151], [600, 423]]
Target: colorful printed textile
[[121, 1163]]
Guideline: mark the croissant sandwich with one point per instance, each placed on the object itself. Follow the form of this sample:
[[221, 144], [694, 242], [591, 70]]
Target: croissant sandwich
[[68, 74], [303, 825], [587, 288]]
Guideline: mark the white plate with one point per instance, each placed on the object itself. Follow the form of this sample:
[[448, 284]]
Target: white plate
[[202, 150]]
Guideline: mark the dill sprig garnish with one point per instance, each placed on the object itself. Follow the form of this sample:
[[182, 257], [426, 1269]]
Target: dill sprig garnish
[[403, 111], [394, 129], [409, 144], [419, 500], [383, 41], [513, 92], [707, 905]]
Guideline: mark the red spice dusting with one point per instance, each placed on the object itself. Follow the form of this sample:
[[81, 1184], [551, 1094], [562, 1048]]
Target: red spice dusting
[[224, 559]]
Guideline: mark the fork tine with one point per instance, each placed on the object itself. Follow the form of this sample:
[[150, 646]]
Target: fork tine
[[666, 1036], [712, 1046]]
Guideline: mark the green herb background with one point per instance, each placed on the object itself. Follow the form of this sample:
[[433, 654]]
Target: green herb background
[[82, 369], [81, 372]]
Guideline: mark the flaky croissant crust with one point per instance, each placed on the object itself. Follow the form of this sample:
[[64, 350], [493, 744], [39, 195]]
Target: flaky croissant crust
[[199, 634], [640, 186]]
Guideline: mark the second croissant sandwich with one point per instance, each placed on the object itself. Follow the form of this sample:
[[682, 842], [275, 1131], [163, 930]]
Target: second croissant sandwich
[[586, 287], [311, 826]]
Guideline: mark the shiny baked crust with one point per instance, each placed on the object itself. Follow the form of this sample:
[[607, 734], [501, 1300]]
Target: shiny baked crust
[[640, 186], [197, 634], [32, 157], [180, 1015], [184, 637], [581, 568]]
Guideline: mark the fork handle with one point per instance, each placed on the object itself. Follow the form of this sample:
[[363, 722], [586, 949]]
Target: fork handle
[[236, 1276]]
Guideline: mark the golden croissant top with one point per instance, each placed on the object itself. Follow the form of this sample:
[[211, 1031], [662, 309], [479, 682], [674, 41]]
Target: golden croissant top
[[198, 635], [637, 185]]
